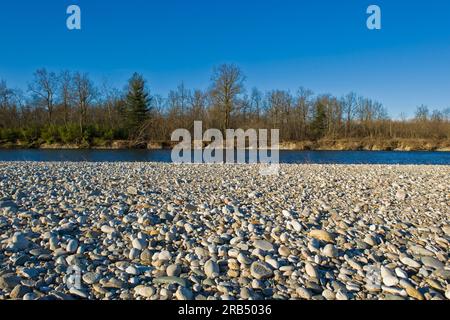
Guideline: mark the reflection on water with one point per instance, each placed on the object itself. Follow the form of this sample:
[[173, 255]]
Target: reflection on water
[[338, 157]]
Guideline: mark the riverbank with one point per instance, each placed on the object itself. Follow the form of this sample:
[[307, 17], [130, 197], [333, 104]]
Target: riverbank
[[320, 145], [164, 231]]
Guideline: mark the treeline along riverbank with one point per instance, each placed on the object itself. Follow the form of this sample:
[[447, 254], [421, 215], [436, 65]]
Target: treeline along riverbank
[[68, 110]]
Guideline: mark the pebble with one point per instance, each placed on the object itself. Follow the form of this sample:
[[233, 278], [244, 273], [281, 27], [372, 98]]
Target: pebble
[[330, 251], [165, 255], [132, 190], [400, 273], [139, 244], [144, 291], [341, 295], [260, 270], [91, 277], [72, 246], [304, 293], [171, 280], [328, 294], [409, 262], [311, 270], [389, 278], [432, 262], [296, 225], [173, 270], [211, 269], [400, 195], [184, 293], [78, 292], [322, 235], [264, 245], [411, 290], [19, 291], [19, 241], [107, 229]]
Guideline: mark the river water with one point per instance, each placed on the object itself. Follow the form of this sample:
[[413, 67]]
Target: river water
[[332, 157]]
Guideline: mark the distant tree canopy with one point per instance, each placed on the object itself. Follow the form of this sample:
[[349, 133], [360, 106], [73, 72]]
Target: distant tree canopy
[[68, 107]]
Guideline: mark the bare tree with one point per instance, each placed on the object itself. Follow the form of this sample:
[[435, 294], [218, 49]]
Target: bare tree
[[66, 93], [422, 113], [279, 108], [84, 92], [6, 95], [256, 98], [112, 101], [198, 103], [303, 109], [349, 106], [227, 85], [44, 87]]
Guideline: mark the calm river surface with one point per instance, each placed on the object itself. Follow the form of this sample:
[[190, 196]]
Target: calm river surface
[[334, 157]]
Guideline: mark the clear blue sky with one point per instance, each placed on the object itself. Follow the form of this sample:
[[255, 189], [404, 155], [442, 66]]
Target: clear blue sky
[[323, 44]]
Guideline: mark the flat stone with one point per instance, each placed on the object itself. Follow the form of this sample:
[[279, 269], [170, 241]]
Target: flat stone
[[190, 207], [304, 293], [411, 290], [169, 280], [260, 270], [432, 262], [114, 283], [341, 295], [322, 235], [78, 292], [91, 277], [446, 230], [107, 229], [421, 251], [442, 273], [263, 245], [409, 262], [389, 278], [400, 273], [132, 270], [296, 225], [144, 291]]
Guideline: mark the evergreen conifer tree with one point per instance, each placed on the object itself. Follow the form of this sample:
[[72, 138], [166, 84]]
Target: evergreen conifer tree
[[137, 103]]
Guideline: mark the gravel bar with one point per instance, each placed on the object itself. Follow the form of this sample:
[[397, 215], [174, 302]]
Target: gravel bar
[[156, 231]]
